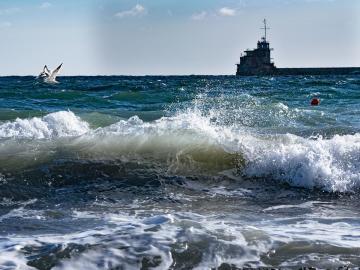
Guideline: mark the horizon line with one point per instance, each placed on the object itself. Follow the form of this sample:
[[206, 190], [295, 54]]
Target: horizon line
[[163, 75]]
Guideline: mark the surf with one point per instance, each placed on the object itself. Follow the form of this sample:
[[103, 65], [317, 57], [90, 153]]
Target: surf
[[190, 143]]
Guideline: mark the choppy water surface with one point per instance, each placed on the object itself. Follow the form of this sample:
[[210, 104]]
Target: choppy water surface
[[179, 172]]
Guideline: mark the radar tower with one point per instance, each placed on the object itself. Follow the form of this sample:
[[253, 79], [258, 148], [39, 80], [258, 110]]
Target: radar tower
[[265, 28]]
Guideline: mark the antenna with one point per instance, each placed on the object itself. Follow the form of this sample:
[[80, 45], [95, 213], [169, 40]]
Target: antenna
[[265, 28]]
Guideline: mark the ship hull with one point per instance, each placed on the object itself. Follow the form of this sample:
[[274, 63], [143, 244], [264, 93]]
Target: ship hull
[[302, 71]]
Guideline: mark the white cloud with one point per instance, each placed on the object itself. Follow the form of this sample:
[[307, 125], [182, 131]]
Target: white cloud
[[138, 10], [225, 11], [199, 16], [45, 5], [5, 24]]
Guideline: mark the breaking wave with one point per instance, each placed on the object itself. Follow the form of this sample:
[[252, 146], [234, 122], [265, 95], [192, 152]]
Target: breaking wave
[[58, 124], [188, 142]]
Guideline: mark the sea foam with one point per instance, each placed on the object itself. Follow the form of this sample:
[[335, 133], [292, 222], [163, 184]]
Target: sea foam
[[58, 124], [191, 141], [329, 164]]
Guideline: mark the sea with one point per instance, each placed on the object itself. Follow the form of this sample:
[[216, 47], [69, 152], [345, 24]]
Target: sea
[[180, 172]]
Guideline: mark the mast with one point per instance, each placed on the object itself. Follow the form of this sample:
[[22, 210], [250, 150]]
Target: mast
[[265, 28]]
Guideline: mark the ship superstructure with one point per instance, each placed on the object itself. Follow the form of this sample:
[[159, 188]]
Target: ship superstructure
[[259, 62]]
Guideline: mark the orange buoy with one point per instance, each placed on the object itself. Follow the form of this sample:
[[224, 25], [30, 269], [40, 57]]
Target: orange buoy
[[315, 102]]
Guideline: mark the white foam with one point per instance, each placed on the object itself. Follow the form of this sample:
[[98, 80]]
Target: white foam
[[58, 124], [222, 239], [121, 231], [23, 214], [192, 140], [327, 231], [304, 205], [330, 164]]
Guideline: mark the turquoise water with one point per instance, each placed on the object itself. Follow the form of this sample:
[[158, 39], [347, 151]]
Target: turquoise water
[[179, 172]]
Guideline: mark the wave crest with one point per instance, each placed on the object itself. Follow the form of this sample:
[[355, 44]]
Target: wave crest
[[58, 124], [191, 142], [329, 164]]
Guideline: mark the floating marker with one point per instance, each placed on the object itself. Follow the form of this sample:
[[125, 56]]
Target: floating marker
[[315, 102]]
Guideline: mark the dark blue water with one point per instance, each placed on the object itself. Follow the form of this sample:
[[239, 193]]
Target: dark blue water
[[193, 172]]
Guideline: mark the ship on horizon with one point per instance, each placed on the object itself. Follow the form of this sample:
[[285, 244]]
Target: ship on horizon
[[257, 62]]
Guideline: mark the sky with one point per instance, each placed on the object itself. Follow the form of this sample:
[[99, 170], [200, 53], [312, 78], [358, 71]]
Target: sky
[[173, 37]]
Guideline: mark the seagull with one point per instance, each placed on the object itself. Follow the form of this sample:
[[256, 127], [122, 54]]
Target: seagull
[[49, 76]]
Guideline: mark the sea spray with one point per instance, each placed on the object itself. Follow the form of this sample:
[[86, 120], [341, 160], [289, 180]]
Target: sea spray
[[58, 124], [190, 140]]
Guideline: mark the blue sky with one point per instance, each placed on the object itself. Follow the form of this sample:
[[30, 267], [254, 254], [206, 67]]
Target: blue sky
[[173, 37]]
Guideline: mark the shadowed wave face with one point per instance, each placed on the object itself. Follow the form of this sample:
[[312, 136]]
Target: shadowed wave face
[[179, 172]]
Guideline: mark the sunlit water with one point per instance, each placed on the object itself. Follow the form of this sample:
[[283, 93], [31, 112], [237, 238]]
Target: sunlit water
[[179, 172]]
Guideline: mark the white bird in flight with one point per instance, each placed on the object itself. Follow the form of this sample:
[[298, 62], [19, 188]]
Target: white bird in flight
[[49, 76]]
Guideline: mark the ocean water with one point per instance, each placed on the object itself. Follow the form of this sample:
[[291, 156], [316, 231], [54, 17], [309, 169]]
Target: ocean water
[[193, 172]]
